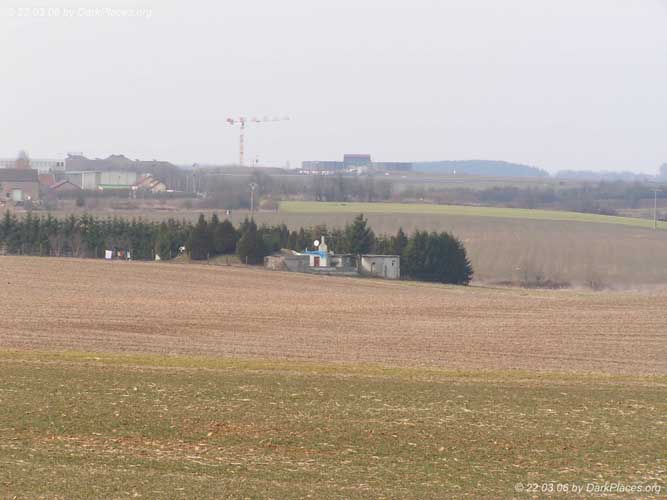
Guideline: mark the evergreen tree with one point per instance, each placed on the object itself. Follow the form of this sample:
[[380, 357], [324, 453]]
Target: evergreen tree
[[251, 248], [284, 236], [92, 235], [271, 238], [337, 242], [399, 242], [199, 245], [438, 257], [213, 231], [11, 233], [360, 238], [414, 257], [301, 240], [163, 243], [384, 245], [292, 240], [225, 238]]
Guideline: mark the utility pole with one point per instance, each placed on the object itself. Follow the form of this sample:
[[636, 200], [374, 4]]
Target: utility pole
[[195, 167], [253, 186], [655, 209]]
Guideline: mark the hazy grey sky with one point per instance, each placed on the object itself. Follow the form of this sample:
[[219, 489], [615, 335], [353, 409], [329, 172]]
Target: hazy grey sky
[[558, 84]]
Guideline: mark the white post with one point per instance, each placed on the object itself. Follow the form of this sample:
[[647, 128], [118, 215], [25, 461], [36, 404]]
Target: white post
[[253, 186]]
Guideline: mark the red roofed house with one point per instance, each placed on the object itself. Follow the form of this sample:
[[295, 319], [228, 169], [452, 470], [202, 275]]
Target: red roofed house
[[149, 183], [64, 186], [47, 180]]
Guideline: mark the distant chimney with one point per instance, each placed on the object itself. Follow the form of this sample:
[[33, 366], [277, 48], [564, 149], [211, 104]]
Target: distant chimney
[[22, 161]]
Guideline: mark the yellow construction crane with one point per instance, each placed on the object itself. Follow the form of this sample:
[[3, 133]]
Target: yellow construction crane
[[242, 122]]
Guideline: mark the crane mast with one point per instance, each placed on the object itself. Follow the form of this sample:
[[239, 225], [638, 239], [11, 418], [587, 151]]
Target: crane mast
[[241, 121]]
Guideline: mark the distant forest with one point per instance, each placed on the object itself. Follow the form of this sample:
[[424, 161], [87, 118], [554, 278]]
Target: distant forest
[[484, 168]]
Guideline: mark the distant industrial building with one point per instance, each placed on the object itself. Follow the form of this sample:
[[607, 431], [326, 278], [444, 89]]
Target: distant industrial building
[[116, 172], [354, 163], [355, 160], [43, 166], [78, 162], [102, 181]]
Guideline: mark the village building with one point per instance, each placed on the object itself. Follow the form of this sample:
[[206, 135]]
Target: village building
[[102, 180], [64, 186], [46, 180], [150, 184], [18, 185]]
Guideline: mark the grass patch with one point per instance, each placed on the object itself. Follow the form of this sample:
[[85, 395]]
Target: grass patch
[[87, 425], [307, 207]]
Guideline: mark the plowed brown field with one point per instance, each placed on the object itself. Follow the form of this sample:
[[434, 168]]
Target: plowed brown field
[[88, 305]]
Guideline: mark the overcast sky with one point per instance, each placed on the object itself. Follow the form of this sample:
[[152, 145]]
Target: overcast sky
[[578, 84]]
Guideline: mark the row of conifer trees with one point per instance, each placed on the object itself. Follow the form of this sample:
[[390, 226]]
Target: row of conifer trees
[[425, 256]]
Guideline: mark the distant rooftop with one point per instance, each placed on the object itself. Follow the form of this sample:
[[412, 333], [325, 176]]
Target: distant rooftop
[[354, 161], [18, 175]]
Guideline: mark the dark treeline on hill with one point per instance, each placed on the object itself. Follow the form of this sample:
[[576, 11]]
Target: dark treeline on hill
[[601, 198], [487, 168], [437, 257], [228, 192]]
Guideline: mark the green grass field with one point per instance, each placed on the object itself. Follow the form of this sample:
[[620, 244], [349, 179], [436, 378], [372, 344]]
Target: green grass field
[[76, 425], [307, 207]]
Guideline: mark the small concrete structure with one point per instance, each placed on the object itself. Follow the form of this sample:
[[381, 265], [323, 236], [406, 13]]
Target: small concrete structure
[[319, 257], [381, 266], [287, 262], [322, 261]]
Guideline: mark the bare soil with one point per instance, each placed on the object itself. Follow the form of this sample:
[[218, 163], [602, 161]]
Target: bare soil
[[189, 309]]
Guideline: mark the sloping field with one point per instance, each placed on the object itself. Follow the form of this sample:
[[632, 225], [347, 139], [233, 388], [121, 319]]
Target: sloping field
[[306, 207], [321, 387], [519, 245], [187, 309], [120, 426], [602, 255]]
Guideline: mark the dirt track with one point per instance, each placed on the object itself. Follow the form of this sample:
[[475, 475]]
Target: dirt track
[[87, 305]]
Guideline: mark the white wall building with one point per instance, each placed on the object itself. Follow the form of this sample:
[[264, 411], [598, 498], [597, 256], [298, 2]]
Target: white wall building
[[382, 266], [43, 166], [91, 180]]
